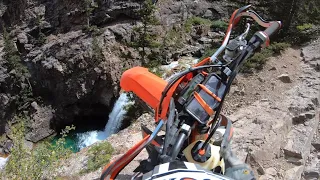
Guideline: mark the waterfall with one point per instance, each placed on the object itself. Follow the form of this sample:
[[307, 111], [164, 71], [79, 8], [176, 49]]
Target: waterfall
[[3, 162], [112, 126]]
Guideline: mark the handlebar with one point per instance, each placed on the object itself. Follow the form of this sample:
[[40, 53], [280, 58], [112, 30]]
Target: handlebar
[[275, 25], [272, 27]]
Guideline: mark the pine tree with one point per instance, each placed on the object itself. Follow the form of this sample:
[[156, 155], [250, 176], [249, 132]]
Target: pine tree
[[146, 38]]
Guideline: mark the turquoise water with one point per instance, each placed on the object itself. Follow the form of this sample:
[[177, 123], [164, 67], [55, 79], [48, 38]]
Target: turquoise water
[[71, 142], [80, 137]]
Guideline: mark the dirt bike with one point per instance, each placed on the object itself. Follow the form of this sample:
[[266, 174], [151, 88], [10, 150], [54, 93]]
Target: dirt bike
[[188, 107]]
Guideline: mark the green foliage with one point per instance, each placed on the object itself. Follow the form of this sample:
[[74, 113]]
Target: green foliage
[[194, 20], [219, 25], [146, 38], [38, 163], [277, 48], [158, 72], [19, 73], [133, 110], [259, 59], [99, 155], [89, 6], [304, 27], [126, 56], [297, 13], [94, 30], [12, 57], [25, 98], [173, 39], [42, 38]]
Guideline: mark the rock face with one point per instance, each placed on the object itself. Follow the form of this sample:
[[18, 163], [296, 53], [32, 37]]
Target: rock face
[[75, 52], [75, 72], [40, 126], [67, 70], [280, 130]]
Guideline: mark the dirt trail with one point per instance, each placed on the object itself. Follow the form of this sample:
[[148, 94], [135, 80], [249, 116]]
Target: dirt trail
[[274, 132], [275, 114]]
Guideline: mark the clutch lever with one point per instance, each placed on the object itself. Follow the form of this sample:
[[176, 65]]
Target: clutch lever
[[233, 22]]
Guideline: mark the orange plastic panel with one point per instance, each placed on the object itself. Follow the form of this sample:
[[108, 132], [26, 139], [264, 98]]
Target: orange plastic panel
[[144, 84]]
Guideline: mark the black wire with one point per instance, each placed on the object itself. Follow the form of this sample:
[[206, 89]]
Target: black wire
[[238, 63], [180, 75], [233, 75]]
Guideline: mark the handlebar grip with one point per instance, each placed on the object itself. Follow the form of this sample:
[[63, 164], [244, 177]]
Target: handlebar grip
[[273, 28]]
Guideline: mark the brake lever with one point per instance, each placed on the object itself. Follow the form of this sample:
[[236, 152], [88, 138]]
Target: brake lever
[[245, 33], [233, 21]]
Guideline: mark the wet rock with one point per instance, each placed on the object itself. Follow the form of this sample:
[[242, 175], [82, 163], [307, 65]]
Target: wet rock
[[294, 173], [284, 78]]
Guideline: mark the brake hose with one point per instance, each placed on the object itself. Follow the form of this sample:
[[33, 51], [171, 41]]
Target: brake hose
[[254, 43], [180, 75]]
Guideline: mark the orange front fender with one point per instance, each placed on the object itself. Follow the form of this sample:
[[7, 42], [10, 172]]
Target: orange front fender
[[144, 84]]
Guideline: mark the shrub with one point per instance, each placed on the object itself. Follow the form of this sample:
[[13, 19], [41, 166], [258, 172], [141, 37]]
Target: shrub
[[304, 27], [99, 155], [12, 57], [278, 47], [38, 163], [173, 39], [194, 20], [42, 38], [146, 37], [219, 25], [259, 59]]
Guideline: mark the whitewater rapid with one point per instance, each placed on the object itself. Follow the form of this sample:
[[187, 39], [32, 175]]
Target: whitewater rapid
[[113, 125], [3, 162]]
